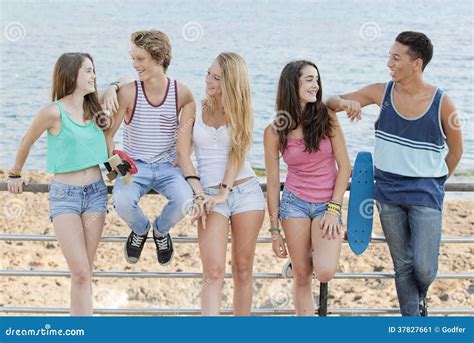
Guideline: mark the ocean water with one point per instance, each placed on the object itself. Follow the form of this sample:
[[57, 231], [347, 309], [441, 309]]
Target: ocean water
[[348, 40]]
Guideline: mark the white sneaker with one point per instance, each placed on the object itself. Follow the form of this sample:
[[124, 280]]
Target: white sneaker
[[287, 270]]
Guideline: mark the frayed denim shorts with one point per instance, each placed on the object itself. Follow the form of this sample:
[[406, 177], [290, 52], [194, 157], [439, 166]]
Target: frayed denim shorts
[[293, 207], [247, 196], [64, 198]]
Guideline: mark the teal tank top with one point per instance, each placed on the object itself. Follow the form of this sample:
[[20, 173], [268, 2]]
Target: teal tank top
[[76, 146]]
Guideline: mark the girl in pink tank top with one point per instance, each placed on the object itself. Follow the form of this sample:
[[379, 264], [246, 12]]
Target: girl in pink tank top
[[309, 138]]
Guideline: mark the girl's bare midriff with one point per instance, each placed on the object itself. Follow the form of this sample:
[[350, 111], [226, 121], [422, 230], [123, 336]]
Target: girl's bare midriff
[[80, 177]]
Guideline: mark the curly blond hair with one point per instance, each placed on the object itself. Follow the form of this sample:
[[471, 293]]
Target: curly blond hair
[[156, 43]]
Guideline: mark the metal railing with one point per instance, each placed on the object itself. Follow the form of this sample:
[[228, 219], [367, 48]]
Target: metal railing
[[323, 310]]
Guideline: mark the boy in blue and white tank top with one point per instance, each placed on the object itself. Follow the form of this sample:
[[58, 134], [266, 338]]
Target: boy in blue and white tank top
[[150, 108], [418, 144]]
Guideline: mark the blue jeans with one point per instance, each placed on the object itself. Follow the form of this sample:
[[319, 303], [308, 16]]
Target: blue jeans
[[164, 179], [413, 235]]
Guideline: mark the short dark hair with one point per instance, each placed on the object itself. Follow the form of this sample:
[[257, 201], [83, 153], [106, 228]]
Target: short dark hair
[[419, 45]]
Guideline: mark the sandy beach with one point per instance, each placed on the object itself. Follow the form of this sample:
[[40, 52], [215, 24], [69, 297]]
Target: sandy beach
[[28, 214]]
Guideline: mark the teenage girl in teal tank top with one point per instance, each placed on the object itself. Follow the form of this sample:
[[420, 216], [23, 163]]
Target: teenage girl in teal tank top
[[76, 146]]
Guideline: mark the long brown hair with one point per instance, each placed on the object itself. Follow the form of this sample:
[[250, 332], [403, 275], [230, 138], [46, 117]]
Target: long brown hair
[[314, 118], [64, 83], [237, 102]]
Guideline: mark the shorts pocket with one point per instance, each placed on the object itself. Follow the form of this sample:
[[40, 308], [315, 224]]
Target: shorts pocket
[[57, 193], [287, 197]]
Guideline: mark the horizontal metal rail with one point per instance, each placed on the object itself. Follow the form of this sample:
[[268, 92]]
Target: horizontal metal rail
[[229, 311], [193, 239], [43, 187], [191, 275]]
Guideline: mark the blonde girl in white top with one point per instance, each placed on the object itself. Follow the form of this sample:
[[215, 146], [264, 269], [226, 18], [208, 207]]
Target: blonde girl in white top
[[226, 190]]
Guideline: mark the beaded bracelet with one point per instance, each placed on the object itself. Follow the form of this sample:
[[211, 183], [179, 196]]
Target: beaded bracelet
[[334, 211], [14, 174]]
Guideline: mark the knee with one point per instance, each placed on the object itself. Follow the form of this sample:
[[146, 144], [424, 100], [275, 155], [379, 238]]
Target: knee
[[325, 274], [303, 277], [124, 204], [213, 274], [242, 272], [425, 274], [81, 275]]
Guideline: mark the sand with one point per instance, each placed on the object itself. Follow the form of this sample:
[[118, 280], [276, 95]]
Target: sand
[[28, 214]]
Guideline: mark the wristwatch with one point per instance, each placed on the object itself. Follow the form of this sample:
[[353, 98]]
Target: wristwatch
[[117, 84]]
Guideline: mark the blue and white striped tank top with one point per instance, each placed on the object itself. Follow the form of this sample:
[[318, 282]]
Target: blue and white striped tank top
[[150, 135], [409, 155]]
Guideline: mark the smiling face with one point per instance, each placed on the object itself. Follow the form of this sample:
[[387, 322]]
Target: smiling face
[[213, 80], [308, 84], [402, 66], [143, 63], [86, 77]]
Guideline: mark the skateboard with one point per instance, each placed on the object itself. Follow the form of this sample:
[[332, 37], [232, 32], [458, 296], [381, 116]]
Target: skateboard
[[120, 164], [360, 215]]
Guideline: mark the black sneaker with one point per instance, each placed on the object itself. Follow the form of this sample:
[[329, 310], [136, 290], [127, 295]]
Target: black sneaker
[[423, 308], [164, 249], [134, 247]]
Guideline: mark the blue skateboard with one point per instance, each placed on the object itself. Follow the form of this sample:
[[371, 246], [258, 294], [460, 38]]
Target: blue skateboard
[[360, 215]]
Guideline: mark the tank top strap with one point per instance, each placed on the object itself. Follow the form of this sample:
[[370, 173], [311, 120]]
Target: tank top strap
[[387, 101], [62, 111]]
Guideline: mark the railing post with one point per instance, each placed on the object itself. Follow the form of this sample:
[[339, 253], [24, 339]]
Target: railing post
[[323, 300]]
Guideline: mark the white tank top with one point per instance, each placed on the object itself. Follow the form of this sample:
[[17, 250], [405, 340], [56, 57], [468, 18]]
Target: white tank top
[[211, 148]]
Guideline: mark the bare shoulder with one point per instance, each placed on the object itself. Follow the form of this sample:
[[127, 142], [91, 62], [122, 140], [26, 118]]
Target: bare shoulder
[[184, 93], [448, 108], [49, 113], [270, 134]]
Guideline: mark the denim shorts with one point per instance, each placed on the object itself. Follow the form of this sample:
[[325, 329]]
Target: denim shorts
[[293, 207], [247, 196], [65, 198]]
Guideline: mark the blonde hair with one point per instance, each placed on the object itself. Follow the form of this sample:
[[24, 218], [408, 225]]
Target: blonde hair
[[237, 103], [156, 43]]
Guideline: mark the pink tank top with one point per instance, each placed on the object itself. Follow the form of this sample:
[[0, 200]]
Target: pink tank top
[[311, 176]]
